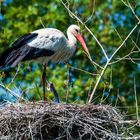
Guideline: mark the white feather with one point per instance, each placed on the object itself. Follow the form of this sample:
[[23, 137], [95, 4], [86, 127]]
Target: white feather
[[55, 40]]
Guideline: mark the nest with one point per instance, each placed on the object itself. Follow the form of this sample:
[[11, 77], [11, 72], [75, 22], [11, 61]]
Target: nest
[[43, 121]]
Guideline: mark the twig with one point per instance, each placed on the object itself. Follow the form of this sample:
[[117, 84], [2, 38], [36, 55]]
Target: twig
[[133, 11], [90, 88], [73, 15], [102, 98], [98, 81], [103, 50], [94, 63], [131, 138], [12, 93], [31, 131], [14, 75], [128, 121], [134, 59], [42, 23], [136, 100], [117, 99], [111, 77], [87, 72], [135, 43], [124, 41], [124, 3], [108, 61], [127, 57]]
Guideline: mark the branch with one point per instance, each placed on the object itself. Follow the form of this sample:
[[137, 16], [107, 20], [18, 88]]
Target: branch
[[134, 59], [126, 57], [98, 81], [73, 15], [12, 93], [103, 50], [133, 11], [124, 41], [84, 71], [14, 75], [136, 100], [108, 61]]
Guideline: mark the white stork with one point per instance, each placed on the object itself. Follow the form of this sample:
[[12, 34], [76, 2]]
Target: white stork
[[43, 45]]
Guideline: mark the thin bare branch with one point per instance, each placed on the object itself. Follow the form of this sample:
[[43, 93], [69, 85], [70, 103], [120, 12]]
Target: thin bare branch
[[133, 11], [12, 93], [94, 63], [87, 72], [14, 75], [31, 133], [97, 83], [42, 23], [136, 100], [124, 41], [108, 62], [134, 59], [126, 57], [76, 17]]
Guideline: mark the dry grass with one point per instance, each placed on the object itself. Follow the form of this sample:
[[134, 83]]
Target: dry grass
[[58, 121]]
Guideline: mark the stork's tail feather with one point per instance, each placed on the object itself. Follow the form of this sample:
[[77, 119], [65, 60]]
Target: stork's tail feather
[[4, 58], [12, 56]]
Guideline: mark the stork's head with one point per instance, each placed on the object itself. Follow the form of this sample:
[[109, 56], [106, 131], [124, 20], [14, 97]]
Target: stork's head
[[75, 31]]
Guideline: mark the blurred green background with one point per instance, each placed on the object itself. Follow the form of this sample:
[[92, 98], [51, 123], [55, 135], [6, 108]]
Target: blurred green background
[[109, 20]]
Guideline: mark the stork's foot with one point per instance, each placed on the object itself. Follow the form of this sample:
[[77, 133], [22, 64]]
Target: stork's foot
[[53, 90]]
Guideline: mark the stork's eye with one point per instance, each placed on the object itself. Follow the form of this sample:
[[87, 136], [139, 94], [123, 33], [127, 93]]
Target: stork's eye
[[77, 30]]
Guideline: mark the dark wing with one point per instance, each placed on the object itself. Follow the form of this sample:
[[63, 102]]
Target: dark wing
[[36, 53], [22, 40], [21, 51]]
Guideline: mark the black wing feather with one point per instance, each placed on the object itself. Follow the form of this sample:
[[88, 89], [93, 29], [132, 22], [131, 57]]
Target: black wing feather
[[24, 39], [36, 53], [21, 51]]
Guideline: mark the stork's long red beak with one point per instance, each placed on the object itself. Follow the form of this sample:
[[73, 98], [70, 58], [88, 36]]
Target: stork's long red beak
[[81, 40]]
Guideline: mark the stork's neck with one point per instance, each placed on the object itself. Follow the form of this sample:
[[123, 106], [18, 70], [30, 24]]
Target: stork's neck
[[71, 39]]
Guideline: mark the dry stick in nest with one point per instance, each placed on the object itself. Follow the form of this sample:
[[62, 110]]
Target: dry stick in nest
[[54, 121]]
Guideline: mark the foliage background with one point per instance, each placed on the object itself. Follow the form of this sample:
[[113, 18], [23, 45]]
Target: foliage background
[[110, 21]]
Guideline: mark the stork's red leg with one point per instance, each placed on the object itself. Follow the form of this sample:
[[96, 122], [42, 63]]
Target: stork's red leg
[[44, 81]]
